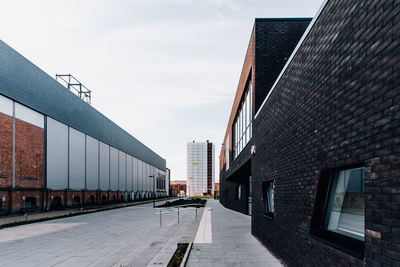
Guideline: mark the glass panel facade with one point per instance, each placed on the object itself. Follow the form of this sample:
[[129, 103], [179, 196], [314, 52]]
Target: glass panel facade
[[241, 128], [197, 168], [345, 207]]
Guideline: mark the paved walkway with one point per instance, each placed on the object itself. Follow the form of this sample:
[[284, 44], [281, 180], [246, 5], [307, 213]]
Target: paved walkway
[[36, 216], [129, 236], [230, 244]]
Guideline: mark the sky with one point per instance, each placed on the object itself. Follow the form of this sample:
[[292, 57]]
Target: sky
[[166, 71]]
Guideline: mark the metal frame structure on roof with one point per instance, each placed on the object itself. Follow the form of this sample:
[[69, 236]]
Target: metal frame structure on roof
[[27, 84], [75, 86]]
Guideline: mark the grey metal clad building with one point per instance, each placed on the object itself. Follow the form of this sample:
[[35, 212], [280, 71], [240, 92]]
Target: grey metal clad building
[[53, 141], [27, 84]]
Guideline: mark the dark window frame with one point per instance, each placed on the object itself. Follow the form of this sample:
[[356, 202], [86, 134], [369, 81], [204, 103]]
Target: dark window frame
[[341, 242], [239, 192], [235, 145], [267, 213], [30, 202]]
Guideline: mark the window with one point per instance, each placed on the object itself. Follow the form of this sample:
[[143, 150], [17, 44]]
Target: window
[[30, 202], [241, 128], [76, 200], [239, 192], [339, 210], [268, 198], [227, 153], [345, 204]]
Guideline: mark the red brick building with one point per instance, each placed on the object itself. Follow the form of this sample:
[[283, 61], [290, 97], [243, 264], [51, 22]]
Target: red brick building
[[57, 151], [178, 188]]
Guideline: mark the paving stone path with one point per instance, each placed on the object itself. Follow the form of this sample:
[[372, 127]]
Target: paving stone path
[[129, 236], [231, 242]]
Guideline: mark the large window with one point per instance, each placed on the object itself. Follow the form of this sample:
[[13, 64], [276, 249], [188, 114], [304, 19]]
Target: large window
[[227, 153], [268, 198], [340, 209], [345, 207], [242, 125]]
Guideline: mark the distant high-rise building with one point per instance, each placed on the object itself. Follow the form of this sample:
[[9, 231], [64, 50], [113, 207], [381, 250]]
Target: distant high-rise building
[[200, 162]]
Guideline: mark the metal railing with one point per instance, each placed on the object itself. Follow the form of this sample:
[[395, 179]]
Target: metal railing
[[178, 209]]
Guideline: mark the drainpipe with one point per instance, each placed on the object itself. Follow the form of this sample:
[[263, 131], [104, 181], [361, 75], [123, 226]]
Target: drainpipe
[[47, 204]]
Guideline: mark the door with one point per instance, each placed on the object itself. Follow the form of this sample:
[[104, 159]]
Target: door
[[249, 199]]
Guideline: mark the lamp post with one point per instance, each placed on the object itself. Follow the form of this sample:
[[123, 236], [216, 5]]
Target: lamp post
[[154, 190]]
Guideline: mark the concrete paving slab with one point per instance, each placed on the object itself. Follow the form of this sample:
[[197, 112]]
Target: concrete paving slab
[[119, 237], [231, 242], [41, 215]]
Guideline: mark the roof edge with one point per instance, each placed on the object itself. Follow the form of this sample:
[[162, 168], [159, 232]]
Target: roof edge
[[310, 26], [282, 19]]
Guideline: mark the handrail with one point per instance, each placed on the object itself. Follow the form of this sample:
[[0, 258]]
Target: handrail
[[160, 212], [173, 210], [185, 205]]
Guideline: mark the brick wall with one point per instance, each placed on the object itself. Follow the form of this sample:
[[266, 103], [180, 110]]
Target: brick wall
[[230, 199], [275, 41], [51, 198], [103, 197], [270, 46], [230, 180], [176, 189], [29, 155], [29, 172], [337, 104], [5, 150], [18, 200], [3, 202]]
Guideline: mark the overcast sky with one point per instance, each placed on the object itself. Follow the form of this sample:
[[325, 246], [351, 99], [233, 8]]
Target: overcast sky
[[164, 70]]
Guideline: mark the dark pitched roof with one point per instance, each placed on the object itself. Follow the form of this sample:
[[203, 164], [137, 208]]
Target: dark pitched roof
[[24, 82]]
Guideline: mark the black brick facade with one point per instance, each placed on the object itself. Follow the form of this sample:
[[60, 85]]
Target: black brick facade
[[275, 41], [271, 44], [336, 105]]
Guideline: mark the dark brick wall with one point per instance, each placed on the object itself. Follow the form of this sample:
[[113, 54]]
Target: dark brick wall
[[271, 43], [337, 104], [5, 150], [275, 42], [230, 180], [230, 200]]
